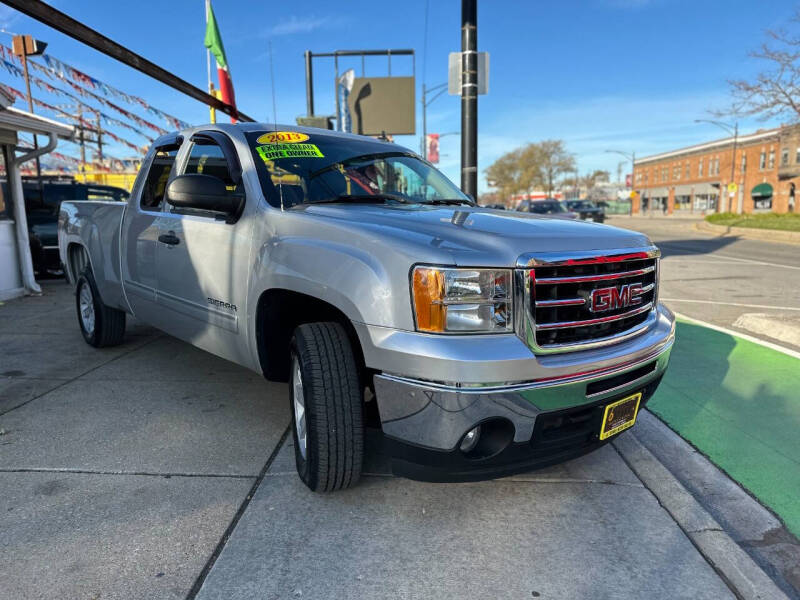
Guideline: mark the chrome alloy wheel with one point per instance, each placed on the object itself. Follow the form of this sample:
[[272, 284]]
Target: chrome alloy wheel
[[299, 404], [86, 306]]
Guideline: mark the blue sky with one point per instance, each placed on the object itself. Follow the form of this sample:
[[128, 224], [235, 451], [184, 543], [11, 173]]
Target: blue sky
[[600, 74]]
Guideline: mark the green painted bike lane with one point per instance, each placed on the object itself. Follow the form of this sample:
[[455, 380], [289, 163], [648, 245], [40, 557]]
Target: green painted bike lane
[[738, 402]]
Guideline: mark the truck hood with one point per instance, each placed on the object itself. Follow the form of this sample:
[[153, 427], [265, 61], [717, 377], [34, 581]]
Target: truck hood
[[474, 236]]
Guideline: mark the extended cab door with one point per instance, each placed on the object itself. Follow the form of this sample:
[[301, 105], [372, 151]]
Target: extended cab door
[[203, 259], [140, 230]]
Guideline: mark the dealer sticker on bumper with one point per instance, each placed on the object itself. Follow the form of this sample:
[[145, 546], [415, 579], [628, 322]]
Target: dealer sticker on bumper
[[620, 415]]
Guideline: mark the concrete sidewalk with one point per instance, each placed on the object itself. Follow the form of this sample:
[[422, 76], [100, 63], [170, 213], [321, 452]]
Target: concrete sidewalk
[[154, 470]]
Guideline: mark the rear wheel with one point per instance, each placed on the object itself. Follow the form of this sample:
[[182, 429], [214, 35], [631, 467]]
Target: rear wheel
[[100, 325], [325, 398]]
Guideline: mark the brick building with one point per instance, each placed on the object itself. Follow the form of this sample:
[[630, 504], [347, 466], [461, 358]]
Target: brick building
[[696, 178]]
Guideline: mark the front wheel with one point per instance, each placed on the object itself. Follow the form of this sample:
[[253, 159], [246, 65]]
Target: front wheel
[[325, 397], [100, 325]]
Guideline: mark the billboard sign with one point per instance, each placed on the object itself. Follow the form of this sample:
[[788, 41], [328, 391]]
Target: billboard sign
[[379, 105]]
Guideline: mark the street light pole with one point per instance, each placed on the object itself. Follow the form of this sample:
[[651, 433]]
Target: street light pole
[[469, 97], [442, 87], [735, 132], [631, 157]]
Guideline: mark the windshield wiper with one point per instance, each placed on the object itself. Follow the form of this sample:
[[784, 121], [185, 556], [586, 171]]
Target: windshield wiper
[[449, 201], [360, 198]]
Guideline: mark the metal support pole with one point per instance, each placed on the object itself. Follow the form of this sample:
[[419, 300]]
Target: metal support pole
[[733, 164], [99, 142], [82, 140], [424, 124], [469, 97], [309, 85], [24, 58], [633, 182]]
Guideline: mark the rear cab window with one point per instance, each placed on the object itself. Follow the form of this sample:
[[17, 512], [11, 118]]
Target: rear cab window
[[158, 175]]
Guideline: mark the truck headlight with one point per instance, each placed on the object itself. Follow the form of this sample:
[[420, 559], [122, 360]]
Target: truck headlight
[[462, 300]]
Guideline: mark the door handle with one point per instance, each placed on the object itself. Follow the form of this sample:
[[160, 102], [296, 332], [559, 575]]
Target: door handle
[[169, 238]]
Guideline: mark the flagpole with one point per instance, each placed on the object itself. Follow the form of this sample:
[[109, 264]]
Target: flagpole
[[212, 112]]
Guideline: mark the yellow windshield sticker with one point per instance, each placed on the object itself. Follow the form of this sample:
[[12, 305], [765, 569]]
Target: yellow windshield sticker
[[282, 137], [276, 151]]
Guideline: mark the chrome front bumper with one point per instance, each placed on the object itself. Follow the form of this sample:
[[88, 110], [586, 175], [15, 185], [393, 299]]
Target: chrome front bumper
[[432, 413]]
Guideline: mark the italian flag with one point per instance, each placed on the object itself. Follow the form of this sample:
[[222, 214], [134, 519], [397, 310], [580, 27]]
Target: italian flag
[[213, 42]]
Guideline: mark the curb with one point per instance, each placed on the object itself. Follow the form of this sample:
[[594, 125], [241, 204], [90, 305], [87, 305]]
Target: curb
[[768, 235], [740, 572]]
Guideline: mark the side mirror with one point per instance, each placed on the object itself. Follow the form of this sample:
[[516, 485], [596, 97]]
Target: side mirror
[[201, 192]]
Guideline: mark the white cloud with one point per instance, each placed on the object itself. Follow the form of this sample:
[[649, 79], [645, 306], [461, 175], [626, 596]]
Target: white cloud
[[306, 24]]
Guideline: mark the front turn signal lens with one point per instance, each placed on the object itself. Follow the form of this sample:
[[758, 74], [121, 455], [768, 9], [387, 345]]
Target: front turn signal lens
[[428, 299]]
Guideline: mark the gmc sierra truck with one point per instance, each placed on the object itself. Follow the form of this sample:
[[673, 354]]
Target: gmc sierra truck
[[474, 343]]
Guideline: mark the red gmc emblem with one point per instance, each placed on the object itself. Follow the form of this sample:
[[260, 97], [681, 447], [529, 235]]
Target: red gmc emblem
[[611, 298]]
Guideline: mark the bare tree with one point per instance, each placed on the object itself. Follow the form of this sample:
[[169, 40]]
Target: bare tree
[[554, 161], [775, 91], [507, 174], [533, 165]]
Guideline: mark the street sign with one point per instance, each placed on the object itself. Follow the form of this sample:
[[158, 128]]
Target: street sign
[[454, 73], [732, 188]]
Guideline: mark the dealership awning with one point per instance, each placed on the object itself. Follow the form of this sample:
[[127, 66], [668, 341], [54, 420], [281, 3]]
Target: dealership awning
[[762, 190]]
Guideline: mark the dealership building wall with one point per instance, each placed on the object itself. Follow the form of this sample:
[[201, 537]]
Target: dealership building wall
[[696, 178]]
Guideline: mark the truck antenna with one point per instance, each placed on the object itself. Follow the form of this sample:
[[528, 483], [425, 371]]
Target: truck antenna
[[274, 112]]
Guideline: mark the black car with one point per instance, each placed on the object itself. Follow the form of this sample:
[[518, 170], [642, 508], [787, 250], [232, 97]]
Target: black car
[[42, 205], [549, 207], [587, 210]]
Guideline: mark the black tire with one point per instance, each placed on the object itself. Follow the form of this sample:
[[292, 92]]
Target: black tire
[[333, 407], [108, 327]]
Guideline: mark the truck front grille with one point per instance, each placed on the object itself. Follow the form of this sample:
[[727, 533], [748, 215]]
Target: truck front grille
[[579, 301]]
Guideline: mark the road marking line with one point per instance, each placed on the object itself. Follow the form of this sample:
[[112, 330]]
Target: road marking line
[[718, 261], [744, 336], [730, 304], [728, 257]]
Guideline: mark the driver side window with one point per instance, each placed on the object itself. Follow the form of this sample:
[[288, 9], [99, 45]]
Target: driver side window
[[207, 158]]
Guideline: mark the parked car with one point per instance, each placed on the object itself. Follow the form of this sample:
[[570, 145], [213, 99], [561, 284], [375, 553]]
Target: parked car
[[42, 205], [587, 210], [466, 342], [549, 207], [496, 206]]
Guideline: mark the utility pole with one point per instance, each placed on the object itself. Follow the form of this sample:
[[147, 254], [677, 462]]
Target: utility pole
[[25, 46], [469, 97], [81, 138], [99, 141]]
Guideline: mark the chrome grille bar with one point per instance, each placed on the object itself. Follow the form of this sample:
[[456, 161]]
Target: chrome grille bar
[[564, 302], [602, 277], [597, 321]]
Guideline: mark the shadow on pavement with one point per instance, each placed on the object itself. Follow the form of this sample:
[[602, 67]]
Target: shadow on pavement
[[683, 247]]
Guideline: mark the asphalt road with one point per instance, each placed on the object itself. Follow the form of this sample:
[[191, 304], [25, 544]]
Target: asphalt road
[[747, 285]]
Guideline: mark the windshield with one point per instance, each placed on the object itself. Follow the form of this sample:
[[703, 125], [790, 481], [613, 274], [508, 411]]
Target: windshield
[[546, 208], [313, 168]]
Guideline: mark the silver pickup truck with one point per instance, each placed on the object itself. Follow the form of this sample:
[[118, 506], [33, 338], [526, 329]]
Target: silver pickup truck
[[470, 343]]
